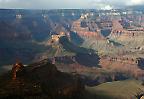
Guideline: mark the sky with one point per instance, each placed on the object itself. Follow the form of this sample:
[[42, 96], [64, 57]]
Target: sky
[[68, 4]]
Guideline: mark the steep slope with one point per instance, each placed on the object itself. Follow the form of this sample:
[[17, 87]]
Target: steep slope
[[72, 47], [83, 56], [63, 49]]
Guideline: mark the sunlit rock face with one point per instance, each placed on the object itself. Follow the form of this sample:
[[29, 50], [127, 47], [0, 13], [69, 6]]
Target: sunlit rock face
[[18, 67]]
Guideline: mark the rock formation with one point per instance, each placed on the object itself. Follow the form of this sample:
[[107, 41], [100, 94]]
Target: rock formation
[[18, 66], [40, 80]]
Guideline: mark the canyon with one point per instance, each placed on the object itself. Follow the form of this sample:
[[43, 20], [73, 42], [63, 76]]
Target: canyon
[[59, 45]]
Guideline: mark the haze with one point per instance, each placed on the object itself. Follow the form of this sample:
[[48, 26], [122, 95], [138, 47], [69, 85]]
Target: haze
[[68, 4]]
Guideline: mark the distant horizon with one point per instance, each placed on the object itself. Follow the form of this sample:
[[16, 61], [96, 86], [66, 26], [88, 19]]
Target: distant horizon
[[63, 8], [68, 4]]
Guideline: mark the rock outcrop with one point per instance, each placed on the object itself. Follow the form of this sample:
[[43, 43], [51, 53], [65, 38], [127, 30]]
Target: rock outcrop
[[40, 80], [16, 68]]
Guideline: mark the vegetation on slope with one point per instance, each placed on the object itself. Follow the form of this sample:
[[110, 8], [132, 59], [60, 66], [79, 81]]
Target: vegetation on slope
[[116, 90]]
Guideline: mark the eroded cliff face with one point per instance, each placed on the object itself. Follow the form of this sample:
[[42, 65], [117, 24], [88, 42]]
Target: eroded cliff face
[[123, 64], [91, 29], [120, 33], [40, 80]]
